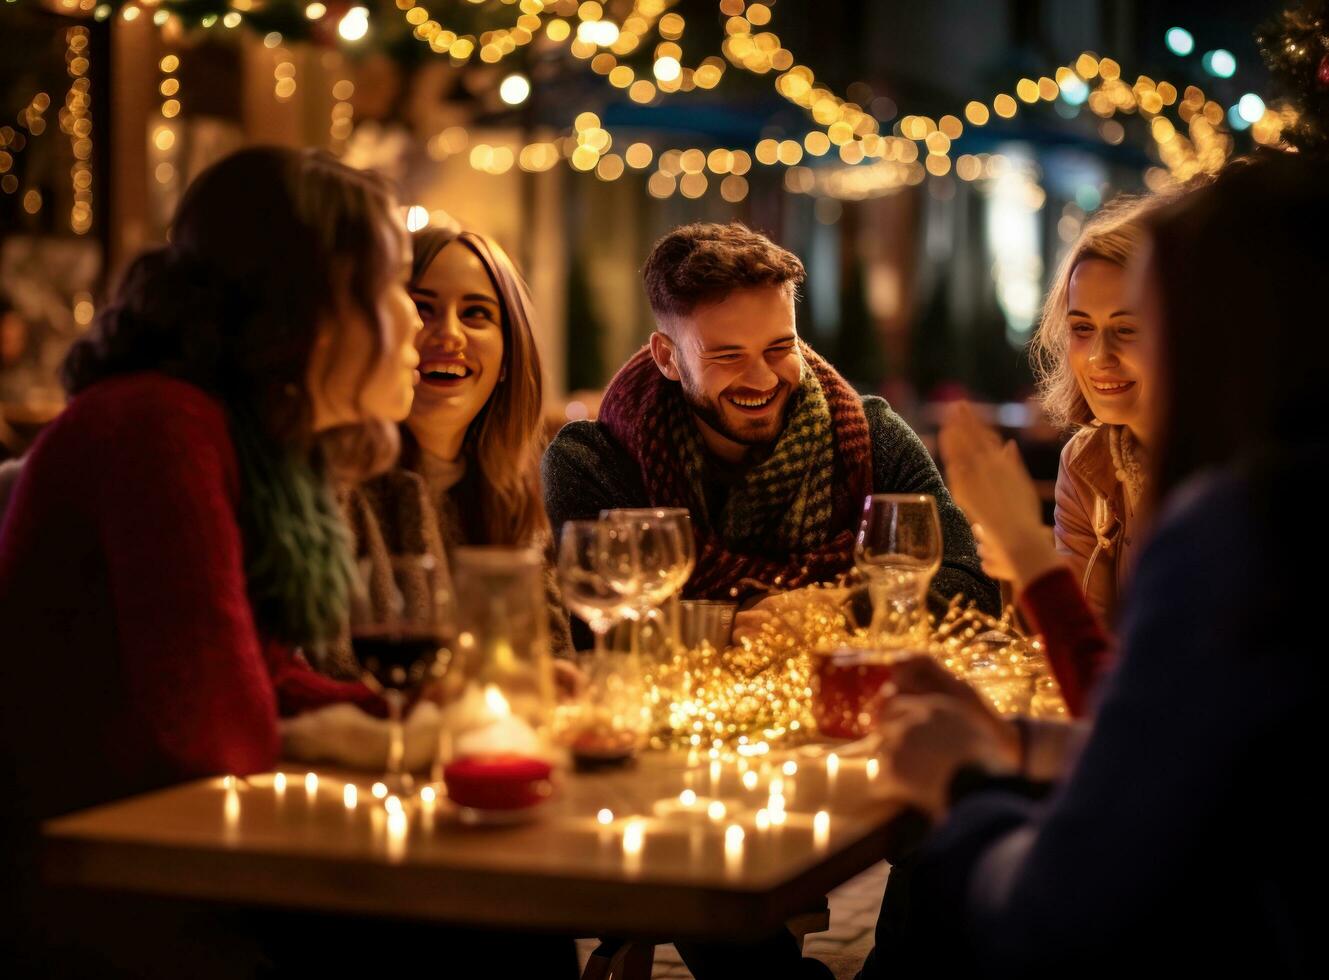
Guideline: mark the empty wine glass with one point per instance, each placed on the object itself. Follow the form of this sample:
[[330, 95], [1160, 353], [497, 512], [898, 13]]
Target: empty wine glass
[[598, 570], [601, 575], [898, 550], [400, 622], [668, 554]]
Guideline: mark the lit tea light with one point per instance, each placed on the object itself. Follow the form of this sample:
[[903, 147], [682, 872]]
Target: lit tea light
[[750, 780], [393, 805], [311, 783], [832, 765], [428, 795], [733, 849], [380, 791], [821, 828], [397, 830], [873, 768], [634, 839], [777, 787], [605, 816], [778, 818], [763, 819], [279, 784], [789, 768], [688, 797], [715, 810], [231, 808], [715, 775], [228, 783], [350, 796]]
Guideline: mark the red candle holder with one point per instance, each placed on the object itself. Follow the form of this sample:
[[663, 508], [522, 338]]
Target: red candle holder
[[845, 685], [498, 782]]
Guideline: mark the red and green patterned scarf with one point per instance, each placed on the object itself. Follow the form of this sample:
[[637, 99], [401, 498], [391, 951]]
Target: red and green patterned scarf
[[792, 519]]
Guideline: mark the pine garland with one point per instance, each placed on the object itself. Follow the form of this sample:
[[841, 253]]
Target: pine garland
[[1295, 47]]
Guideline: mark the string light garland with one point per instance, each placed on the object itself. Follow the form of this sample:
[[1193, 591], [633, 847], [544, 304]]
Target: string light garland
[[871, 163], [76, 123], [759, 695], [165, 135]]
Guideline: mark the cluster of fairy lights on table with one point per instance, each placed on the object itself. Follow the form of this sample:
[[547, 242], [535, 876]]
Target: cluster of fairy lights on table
[[759, 694], [872, 163], [748, 760]]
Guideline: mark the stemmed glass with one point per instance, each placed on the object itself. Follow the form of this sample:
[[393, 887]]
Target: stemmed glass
[[667, 553], [898, 550], [400, 623], [600, 573]]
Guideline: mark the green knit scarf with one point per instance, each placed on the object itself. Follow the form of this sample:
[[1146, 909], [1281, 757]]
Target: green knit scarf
[[298, 560], [784, 502]]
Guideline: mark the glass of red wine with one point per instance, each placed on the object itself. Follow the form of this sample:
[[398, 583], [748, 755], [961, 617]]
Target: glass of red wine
[[400, 630]]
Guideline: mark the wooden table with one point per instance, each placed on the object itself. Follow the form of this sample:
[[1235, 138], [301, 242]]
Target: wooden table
[[662, 866]]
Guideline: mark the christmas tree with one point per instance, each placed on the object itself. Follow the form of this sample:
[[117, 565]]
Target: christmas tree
[[1296, 50]]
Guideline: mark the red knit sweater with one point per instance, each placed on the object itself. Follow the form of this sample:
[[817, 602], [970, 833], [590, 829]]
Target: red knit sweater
[[130, 654], [1078, 649]]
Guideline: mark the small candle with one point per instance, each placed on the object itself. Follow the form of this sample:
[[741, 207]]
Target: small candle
[[634, 840], [311, 784], [873, 767], [350, 796], [790, 768], [605, 816], [687, 798], [763, 819], [750, 780], [497, 765], [380, 791], [733, 847], [397, 831], [279, 784], [498, 782], [716, 810], [231, 808], [821, 828]]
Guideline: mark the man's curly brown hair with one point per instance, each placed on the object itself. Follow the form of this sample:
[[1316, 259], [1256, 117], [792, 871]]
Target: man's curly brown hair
[[702, 263]]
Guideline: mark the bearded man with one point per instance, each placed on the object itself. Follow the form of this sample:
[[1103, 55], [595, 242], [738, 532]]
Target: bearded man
[[728, 413]]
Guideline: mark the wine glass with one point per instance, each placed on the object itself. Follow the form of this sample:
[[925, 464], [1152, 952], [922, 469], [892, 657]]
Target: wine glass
[[400, 623], [601, 575], [669, 565], [898, 550], [598, 570]]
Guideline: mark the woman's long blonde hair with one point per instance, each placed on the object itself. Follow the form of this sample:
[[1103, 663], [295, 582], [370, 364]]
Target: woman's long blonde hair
[[1113, 235], [501, 489]]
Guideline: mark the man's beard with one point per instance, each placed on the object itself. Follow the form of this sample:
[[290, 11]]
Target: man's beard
[[710, 411]]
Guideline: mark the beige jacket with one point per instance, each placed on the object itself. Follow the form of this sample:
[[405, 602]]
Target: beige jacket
[[1092, 525]]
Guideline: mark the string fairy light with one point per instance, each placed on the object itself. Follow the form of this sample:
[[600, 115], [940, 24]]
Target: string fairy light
[[760, 693], [76, 123], [871, 163]]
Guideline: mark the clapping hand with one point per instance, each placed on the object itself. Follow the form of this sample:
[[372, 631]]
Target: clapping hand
[[990, 483]]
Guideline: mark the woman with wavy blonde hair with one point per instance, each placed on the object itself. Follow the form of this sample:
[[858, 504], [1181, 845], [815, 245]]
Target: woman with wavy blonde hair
[[1097, 376]]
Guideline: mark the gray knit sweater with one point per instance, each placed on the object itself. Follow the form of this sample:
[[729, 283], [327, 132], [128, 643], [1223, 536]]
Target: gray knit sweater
[[586, 471]]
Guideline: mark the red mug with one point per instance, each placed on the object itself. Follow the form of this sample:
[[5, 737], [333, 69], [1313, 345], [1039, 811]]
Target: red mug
[[845, 685]]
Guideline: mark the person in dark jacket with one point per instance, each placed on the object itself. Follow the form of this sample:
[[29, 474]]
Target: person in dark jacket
[[1185, 836], [727, 412]]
